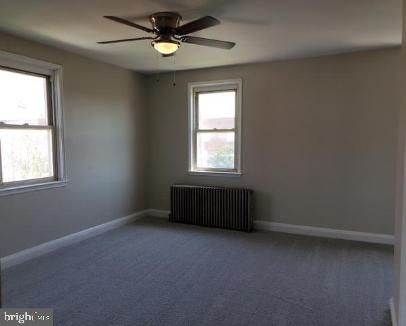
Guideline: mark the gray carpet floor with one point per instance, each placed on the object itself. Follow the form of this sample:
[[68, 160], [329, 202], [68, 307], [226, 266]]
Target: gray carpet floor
[[157, 273]]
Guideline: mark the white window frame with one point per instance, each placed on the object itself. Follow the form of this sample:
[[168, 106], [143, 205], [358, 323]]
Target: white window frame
[[54, 72], [213, 86]]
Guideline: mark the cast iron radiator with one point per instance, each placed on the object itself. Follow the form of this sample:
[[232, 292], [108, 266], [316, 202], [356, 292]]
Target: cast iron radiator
[[228, 208]]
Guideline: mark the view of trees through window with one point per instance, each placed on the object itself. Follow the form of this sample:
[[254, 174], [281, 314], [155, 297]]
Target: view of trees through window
[[26, 154], [224, 157], [215, 150], [25, 137]]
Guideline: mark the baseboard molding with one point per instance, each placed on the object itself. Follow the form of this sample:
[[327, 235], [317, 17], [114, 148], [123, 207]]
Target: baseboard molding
[[306, 230], [393, 312], [47, 247], [158, 213], [325, 232]]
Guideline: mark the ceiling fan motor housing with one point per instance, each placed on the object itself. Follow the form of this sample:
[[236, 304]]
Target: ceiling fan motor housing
[[164, 23]]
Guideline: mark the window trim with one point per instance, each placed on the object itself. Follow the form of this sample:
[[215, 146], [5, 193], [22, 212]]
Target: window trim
[[54, 72], [214, 86]]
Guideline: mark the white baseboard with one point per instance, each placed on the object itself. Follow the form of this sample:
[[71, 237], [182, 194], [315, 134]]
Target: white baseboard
[[47, 247], [325, 232], [157, 213], [307, 230], [393, 312]]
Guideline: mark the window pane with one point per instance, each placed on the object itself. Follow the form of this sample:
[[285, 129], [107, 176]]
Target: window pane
[[26, 154], [23, 98], [215, 150], [216, 110]]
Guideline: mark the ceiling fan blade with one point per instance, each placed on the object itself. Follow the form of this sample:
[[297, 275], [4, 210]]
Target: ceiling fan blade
[[208, 42], [197, 25], [128, 23], [126, 40]]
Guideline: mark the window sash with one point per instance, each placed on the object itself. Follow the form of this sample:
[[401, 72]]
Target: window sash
[[202, 168], [215, 130], [197, 130], [5, 185], [49, 96], [4, 126], [25, 126], [196, 106]]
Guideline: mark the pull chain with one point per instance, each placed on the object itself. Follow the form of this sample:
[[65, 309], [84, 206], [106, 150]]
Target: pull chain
[[157, 63], [174, 72]]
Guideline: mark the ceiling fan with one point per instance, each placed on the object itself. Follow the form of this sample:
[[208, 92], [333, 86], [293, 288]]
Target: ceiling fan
[[168, 33]]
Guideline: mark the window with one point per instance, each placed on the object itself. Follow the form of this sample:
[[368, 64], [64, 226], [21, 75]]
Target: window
[[31, 153], [215, 127]]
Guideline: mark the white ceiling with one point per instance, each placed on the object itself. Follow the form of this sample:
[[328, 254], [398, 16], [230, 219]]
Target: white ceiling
[[264, 30]]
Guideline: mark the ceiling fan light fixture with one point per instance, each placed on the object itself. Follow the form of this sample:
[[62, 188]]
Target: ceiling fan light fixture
[[166, 46]]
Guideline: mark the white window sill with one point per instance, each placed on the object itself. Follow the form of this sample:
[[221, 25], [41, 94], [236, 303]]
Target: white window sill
[[216, 174], [13, 190]]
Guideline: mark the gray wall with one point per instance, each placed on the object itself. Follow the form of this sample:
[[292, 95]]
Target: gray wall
[[400, 225], [105, 117], [319, 139]]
